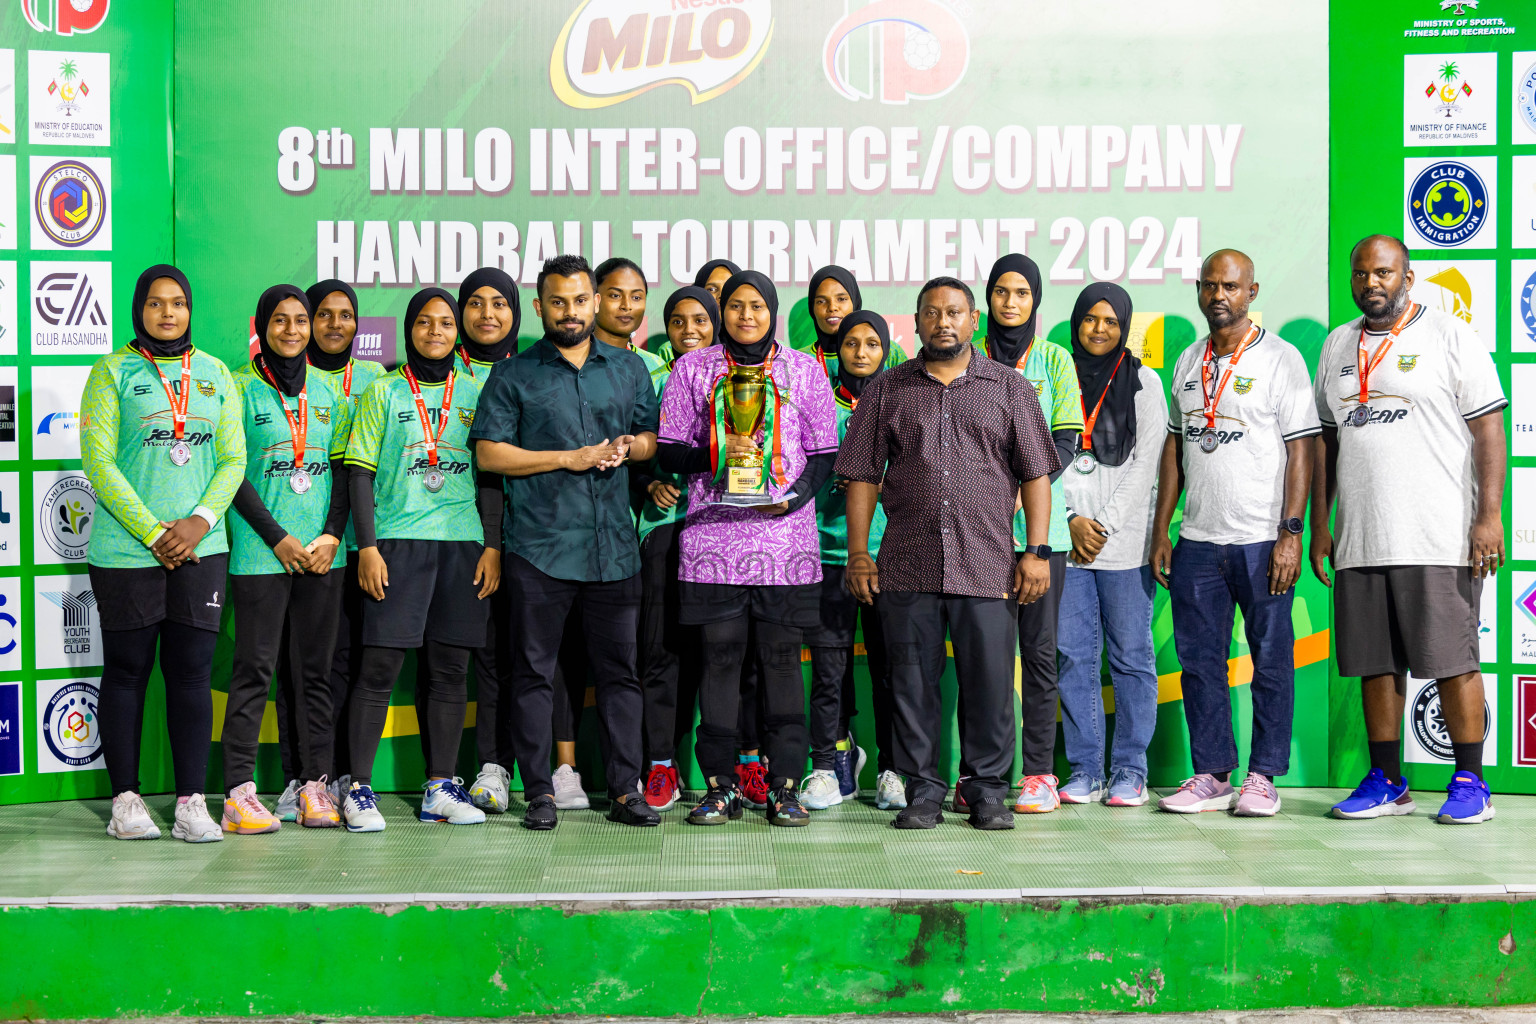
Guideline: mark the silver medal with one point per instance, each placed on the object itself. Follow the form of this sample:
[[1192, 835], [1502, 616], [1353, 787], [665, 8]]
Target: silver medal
[[433, 480], [1085, 463], [180, 453], [300, 482], [1361, 416], [1209, 442]]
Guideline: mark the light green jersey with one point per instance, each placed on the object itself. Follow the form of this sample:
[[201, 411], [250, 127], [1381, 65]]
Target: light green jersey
[[651, 515], [364, 373]]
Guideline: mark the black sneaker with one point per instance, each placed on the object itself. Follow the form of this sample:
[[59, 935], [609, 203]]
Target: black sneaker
[[540, 816], [991, 815], [635, 811], [722, 803], [784, 807], [920, 814]]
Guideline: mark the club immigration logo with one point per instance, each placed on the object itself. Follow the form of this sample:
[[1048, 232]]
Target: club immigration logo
[[65, 17], [71, 304], [65, 514], [70, 205], [1447, 203], [610, 51], [71, 731], [923, 51]]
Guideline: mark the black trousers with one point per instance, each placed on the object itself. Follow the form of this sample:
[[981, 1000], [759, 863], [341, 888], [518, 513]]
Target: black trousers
[[493, 684], [983, 631], [447, 698], [610, 616], [572, 674], [671, 655], [186, 663], [782, 690], [832, 703], [1038, 696], [293, 619], [346, 657]]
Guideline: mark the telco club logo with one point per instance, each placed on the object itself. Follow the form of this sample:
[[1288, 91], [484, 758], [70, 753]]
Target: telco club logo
[[66, 17], [923, 51], [613, 50], [71, 203], [1448, 203]]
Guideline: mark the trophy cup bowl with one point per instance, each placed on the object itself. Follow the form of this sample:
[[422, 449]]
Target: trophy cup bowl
[[745, 483]]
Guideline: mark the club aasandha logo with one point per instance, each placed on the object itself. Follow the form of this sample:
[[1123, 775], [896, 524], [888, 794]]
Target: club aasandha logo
[[922, 52], [613, 50]]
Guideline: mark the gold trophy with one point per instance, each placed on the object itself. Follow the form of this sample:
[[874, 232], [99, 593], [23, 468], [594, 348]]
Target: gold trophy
[[745, 483]]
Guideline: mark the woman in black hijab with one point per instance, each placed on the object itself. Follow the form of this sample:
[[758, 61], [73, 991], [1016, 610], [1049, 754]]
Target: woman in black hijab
[[1110, 490], [833, 294], [492, 314], [713, 275]]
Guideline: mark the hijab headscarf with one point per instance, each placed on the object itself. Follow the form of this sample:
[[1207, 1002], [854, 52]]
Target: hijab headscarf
[[318, 357], [145, 341], [849, 384], [1114, 433], [701, 279], [828, 343], [287, 371], [427, 371], [756, 352], [698, 294], [498, 279], [1008, 344]]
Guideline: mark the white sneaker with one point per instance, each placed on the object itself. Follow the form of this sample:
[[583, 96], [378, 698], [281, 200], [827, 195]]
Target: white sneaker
[[569, 796], [360, 809], [287, 808], [490, 789], [193, 823], [130, 818], [445, 800], [819, 790], [339, 788], [890, 791]]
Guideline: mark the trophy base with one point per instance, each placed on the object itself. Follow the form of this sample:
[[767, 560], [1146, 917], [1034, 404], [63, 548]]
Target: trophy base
[[743, 500]]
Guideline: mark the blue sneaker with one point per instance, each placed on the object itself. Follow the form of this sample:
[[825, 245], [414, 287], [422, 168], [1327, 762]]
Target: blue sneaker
[[1082, 788], [446, 800], [847, 768], [1375, 797], [1469, 801]]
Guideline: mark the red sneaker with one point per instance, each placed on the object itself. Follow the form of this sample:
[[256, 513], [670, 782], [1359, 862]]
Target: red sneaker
[[662, 787], [752, 780]]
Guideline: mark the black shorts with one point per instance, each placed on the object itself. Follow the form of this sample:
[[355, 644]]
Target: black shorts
[[839, 611], [794, 604], [1389, 620], [431, 593], [192, 594]]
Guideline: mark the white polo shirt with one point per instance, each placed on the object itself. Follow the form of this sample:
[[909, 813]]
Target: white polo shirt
[[1236, 494], [1407, 490]]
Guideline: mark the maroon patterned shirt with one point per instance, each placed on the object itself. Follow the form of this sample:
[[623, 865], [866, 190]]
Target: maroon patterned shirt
[[951, 460]]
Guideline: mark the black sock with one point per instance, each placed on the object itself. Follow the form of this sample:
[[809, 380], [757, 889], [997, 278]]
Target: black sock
[[1221, 776], [1469, 757], [1386, 755]]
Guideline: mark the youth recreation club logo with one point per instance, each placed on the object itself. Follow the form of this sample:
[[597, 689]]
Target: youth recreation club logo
[[923, 51], [610, 51], [65, 17], [1447, 203]]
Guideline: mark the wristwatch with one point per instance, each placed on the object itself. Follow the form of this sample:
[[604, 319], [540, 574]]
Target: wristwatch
[[1291, 525], [1041, 551]]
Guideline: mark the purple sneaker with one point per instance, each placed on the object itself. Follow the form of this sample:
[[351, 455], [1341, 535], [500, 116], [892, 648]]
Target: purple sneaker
[[1201, 793], [1258, 798]]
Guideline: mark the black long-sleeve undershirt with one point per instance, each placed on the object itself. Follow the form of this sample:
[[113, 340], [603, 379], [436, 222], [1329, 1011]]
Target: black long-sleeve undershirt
[[1066, 449]]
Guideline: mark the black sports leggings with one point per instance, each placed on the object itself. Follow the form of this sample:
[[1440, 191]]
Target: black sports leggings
[[447, 693], [783, 692], [186, 662]]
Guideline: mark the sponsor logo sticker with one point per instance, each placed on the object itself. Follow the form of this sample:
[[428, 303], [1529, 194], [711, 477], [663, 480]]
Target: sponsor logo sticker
[[70, 725]]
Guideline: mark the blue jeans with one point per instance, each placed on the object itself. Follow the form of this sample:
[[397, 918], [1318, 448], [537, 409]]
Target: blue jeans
[[1207, 580], [1112, 607]]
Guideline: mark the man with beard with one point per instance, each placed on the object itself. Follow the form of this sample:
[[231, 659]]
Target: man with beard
[[949, 440], [1240, 429], [1413, 448], [560, 420]]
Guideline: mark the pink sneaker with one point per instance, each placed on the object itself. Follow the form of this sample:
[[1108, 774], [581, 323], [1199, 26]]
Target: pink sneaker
[[1258, 798], [1201, 793], [1037, 795]]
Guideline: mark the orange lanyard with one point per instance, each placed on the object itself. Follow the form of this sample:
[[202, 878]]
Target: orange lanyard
[[298, 427], [852, 400], [1209, 400], [346, 378], [1090, 420], [421, 412], [1364, 369], [178, 403]]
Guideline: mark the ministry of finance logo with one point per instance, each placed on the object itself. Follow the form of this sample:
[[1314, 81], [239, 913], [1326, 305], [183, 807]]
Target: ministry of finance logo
[[1447, 203], [69, 205], [64, 517], [70, 726]]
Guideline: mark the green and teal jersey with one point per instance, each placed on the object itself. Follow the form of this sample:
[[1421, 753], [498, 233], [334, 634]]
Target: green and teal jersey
[[387, 440], [269, 464], [126, 435], [832, 506], [830, 362], [1049, 368], [651, 515], [364, 373]]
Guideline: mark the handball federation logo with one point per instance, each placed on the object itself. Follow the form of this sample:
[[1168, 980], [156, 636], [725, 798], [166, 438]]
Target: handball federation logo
[[1447, 203], [70, 725], [71, 203]]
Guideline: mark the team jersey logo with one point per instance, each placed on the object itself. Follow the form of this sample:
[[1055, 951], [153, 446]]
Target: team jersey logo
[[1406, 363], [323, 415], [466, 417], [1448, 203], [1242, 385], [206, 388]]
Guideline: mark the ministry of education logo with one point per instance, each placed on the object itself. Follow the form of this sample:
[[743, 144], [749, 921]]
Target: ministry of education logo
[[70, 203], [1447, 203], [70, 724]]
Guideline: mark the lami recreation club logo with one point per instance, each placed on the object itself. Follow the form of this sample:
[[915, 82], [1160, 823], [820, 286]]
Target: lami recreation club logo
[[1448, 203], [65, 17], [71, 204], [917, 49], [610, 51]]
